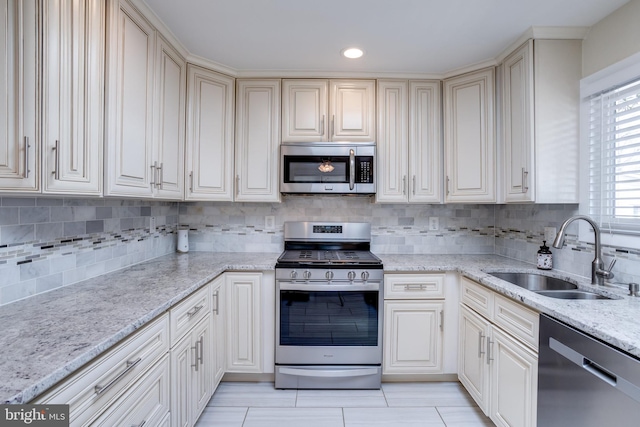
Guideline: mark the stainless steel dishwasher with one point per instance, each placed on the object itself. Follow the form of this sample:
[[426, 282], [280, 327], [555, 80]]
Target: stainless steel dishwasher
[[583, 381]]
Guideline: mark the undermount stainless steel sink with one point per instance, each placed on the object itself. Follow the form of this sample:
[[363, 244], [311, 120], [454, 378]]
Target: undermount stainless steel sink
[[535, 282], [572, 295], [548, 286]]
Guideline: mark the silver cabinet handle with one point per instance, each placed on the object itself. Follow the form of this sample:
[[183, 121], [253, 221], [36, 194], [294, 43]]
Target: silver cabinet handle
[[198, 352], [153, 174], [448, 185], [141, 424], [237, 185], [56, 172], [352, 169], [160, 170], [414, 185], [333, 125], [99, 389], [525, 175], [480, 346], [194, 310], [322, 125], [26, 156], [191, 181], [404, 185], [216, 295], [441, 320], [201, 357], [489, 346], [195, 356]]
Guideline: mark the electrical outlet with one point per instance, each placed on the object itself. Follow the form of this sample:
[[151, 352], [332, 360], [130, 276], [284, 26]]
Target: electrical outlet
[[152, 224], [549, 234], [434, 223], [269, 222]]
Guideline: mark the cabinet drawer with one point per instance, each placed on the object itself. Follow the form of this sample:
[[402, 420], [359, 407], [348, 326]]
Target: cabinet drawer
[[98, 385], [477, 297], [413, 286], [188, 313], [146, 403], [516, 319]]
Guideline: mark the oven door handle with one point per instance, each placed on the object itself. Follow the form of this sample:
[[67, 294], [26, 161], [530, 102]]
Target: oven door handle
[[303, 286], [329, 373]]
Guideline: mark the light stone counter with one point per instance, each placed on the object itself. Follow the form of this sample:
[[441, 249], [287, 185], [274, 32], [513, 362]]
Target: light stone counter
[[47, 337]]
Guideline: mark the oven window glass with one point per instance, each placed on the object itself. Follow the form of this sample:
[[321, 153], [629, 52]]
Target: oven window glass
[[329, 318], [306, 169]]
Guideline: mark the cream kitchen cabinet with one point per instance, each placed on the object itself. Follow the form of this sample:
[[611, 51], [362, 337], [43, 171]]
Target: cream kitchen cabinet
[[419, 336], [541, 100], [218, 313], [73, 96], [498, 359], [244, 322], [210, 128], [257, 140], [145, 104], [469, 137], [409, 142], [328, 110], [20, 141]]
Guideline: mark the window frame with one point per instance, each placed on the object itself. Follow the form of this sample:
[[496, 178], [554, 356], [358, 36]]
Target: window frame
[[619, 73]]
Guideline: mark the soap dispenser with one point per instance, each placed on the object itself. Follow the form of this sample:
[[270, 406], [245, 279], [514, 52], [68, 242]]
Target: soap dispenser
[[545, 257]]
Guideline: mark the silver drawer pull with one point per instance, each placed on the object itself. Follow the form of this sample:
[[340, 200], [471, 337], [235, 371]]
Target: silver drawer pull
[[141, 424], [194, 310], [415, 287], [216, 295], [130, 365]]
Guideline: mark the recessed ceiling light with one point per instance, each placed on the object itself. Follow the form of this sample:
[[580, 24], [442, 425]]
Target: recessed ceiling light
[[352, 53]]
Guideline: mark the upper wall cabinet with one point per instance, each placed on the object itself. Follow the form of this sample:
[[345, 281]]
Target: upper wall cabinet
[[145, 105], [257, 140], [209, 135], [409, 142], [328, 110], [73, 100], [129, 88], [541, 100], [469, 137], [19, 141]]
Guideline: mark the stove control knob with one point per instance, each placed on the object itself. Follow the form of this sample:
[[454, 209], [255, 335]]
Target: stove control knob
[[365, 275], [306, 274], [351, 275], [329, 275], [293, 274]]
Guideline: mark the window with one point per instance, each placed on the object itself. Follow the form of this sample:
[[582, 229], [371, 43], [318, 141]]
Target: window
[[614, 158]]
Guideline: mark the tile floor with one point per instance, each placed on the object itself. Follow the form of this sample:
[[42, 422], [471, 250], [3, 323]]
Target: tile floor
[[238, 404]]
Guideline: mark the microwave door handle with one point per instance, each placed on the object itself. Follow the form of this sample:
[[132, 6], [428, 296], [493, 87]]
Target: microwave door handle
[[352, 169]]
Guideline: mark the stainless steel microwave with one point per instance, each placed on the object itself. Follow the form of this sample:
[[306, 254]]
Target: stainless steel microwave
[[327, 168]]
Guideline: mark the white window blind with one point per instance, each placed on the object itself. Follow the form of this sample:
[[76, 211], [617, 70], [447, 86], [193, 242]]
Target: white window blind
[[614, 158]]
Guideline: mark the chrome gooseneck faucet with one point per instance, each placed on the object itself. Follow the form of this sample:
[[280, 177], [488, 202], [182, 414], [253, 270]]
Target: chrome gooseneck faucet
[[598, 273]]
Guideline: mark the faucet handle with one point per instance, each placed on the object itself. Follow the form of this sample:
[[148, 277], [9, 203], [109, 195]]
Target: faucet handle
[[613, 262], [607, 274]]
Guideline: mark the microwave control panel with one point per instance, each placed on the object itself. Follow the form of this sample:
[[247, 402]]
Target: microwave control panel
[[364, 170]]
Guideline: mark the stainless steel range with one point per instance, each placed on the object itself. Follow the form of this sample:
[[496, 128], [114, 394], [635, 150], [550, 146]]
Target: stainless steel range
[[329, 304]]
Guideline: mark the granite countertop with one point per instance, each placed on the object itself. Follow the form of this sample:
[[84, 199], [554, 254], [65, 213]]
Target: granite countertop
[[49, 336]]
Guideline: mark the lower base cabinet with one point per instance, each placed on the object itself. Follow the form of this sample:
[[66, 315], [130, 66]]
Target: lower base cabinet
[[497, 357]]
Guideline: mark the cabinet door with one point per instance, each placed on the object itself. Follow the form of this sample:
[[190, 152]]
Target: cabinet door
[[130, 73], [473, 368], [425, 142], [244, 337], [514, 382], [470, 137], [169, 145], [182, 357], [19, 142], [209, 135], [257, 140], [201, 375], [73, 87], [219, 329], [352, 110], [392, 143], [517, 103], [304, 110], [413, 337]]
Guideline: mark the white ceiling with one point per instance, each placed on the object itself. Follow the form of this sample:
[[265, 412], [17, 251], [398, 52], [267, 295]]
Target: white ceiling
[[398, 36]]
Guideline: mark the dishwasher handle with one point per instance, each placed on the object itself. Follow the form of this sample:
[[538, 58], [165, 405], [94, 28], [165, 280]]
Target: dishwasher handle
[[609, 377]]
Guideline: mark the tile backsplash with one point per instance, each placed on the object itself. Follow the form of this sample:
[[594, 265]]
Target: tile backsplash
[[46, 243]]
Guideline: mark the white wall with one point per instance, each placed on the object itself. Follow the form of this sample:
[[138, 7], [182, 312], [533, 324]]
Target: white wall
[[612, 39]]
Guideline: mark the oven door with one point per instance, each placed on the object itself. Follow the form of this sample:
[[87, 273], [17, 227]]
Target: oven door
[[329, 323]]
